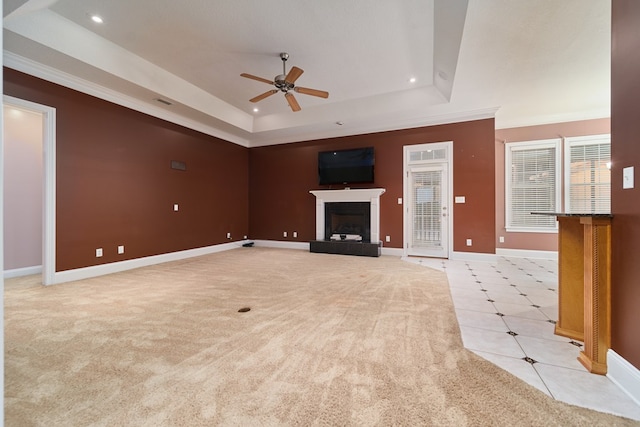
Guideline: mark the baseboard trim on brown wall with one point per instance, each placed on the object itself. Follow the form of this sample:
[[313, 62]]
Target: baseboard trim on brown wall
[[282, 245], [526, 253], [99, 270], [115, 267], [473, 256], [624, 375]]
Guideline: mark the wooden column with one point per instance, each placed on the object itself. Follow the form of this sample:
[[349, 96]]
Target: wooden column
[[570, 278], [597, 293]]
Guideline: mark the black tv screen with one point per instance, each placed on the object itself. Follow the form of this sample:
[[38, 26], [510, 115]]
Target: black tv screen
[[346, 166]]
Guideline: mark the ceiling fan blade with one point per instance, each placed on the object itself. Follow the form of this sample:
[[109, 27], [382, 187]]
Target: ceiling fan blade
[[260, 79], [264, 95], [292, 101], [293, 74], [312, 92]]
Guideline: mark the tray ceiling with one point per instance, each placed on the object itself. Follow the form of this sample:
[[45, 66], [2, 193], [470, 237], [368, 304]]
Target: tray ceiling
[[524, 62]]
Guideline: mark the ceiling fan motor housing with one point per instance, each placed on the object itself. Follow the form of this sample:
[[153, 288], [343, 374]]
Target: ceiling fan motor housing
[[279, 82]]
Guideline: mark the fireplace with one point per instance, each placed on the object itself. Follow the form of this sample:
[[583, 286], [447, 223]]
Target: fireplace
[[348, 222]]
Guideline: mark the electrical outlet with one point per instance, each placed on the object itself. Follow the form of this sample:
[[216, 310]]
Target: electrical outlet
[[244, 237], [627, 177], [388, 238], [228, 235], [468, 242], [175, 207], [284, 234], [295, 234], [121, 249], [501, 238], [98, 252]]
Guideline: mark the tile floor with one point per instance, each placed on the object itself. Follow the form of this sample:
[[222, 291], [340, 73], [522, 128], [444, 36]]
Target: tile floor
[[507, 311]]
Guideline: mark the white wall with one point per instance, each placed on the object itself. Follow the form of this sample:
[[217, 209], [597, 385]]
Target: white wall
[[23, 188]]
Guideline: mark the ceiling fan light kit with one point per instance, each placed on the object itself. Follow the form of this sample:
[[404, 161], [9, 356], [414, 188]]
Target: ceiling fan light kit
[[285, 82]]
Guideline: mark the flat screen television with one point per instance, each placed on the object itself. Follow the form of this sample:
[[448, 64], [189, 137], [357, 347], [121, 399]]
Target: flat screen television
[[346, 166]]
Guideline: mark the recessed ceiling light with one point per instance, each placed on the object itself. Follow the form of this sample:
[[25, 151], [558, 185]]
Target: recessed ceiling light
[[97, 19], [412, 80], [255, 110]]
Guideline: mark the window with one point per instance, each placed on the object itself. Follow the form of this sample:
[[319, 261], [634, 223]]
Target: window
[[532, 182], [588, 174], [430, 154]]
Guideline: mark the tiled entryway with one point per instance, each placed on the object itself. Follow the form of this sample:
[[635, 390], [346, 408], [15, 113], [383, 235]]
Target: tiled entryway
[[507, 311]]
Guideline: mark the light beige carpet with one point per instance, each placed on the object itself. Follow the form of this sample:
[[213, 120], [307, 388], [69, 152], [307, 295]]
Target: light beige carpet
[[329, 340]]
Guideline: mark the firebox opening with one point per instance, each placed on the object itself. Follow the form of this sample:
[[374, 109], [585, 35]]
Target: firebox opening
[[350, 221]]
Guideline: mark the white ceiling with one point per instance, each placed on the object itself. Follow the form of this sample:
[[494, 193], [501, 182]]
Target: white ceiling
[[525, 61]]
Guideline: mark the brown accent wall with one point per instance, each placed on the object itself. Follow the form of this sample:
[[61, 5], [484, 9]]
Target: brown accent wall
[[534, 241], [115, 185], [281, 177], [625, 204]]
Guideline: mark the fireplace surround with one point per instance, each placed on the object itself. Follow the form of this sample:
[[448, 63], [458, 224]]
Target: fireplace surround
[[348, 221]]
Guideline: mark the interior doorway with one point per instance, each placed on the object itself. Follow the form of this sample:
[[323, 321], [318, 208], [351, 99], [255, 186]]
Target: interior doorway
[[427, 186], [46, 115]]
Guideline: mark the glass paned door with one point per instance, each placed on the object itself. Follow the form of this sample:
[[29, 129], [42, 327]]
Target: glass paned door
[[428, 216]]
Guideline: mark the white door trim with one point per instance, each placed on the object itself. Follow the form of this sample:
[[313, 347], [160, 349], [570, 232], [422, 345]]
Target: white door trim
[[49, 173], [448, 146]]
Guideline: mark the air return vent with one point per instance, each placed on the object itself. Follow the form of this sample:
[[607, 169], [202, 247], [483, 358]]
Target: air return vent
[[164, 101], [181, 166]]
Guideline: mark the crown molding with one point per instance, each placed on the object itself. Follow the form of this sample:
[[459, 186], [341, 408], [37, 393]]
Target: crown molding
[[551, 119], [61, 78], [387, 125]]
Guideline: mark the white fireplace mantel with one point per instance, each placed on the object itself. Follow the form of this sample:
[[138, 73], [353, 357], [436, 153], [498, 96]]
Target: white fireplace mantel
[[371, 195]]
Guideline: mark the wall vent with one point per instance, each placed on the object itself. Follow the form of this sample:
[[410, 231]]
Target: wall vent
[[181, 166], [164, 101]]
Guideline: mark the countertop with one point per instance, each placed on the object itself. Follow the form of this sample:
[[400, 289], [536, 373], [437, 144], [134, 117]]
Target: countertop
[[563, 214]]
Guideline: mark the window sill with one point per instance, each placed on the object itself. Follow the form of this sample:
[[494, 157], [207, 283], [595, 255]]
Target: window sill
[[532, 230]]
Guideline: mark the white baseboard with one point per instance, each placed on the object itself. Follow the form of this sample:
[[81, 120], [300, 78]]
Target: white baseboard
[[393, 251], [474, 256], [525, 253], [24, 271], [624, 375], [281, 244], [115, 267]]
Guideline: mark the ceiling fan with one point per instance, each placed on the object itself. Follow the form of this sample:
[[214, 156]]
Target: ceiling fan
[[285, 82]]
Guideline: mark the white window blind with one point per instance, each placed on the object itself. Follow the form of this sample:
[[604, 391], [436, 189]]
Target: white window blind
[[587, 174], [532, 180], [427, 208]]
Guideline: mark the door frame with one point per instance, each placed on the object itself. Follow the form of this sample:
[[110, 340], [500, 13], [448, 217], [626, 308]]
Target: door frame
[[49, 184], [406, 183]]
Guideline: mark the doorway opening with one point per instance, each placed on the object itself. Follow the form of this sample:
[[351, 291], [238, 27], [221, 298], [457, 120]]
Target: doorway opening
[[13, 108]]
